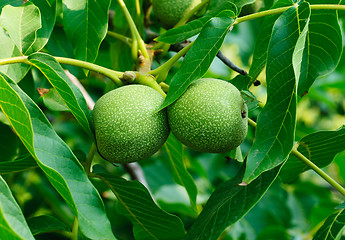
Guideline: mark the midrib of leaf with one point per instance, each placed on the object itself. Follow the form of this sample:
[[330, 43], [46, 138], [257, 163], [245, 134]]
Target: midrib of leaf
[[125, 206]]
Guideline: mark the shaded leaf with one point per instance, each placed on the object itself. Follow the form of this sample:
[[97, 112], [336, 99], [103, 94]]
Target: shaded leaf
[[21, 163], [21, 23], [228, 204], [262, 42], [59, 46], [8, 49], [53, 101], [14, 3], [333, 228], [135, 202], [276, 123], [56, 160], [48, 10], [12, 222], [319, 147], [86, 24], [180, 174], [323, 48], [192, 28], [199, 57], [8, 143], [71, 94], [46, 223]]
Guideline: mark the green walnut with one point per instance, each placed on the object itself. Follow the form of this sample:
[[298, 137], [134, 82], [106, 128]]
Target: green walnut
[[210, 116], [128, 127], [169, 12]]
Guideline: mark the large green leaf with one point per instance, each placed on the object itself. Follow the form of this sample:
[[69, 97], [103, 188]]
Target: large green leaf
[[21, 23], [276, 123], [324, 46], [199, 57], [180, 174], [71, 94], [333, 228], [192, 28], [135, 202], [12, 222], [319, 147], [48, 10], [56, 160], [86, 24], [228, 204], [263, 39]]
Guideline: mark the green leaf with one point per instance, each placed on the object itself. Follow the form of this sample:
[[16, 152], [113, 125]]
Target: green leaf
[[86, 24], [180, 174], [56, 160], [21, 23], [276, 123], [46, 223], [199, 57], [319, 147], [192, 28], [228, 204], [19, 164], [59, 46], [135, 202], [333, 228], [8, 143], [14, 3], [53, 101], [8, 49], [48, 11], [71, 94], [324, 46], [12, 222], [263, 39]]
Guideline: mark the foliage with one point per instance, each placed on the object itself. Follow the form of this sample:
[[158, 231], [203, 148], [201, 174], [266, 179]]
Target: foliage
[[58, 57]]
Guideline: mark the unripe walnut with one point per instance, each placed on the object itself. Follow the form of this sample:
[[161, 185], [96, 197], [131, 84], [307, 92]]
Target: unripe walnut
[[169, 12], [211, 116], [128, 127]]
